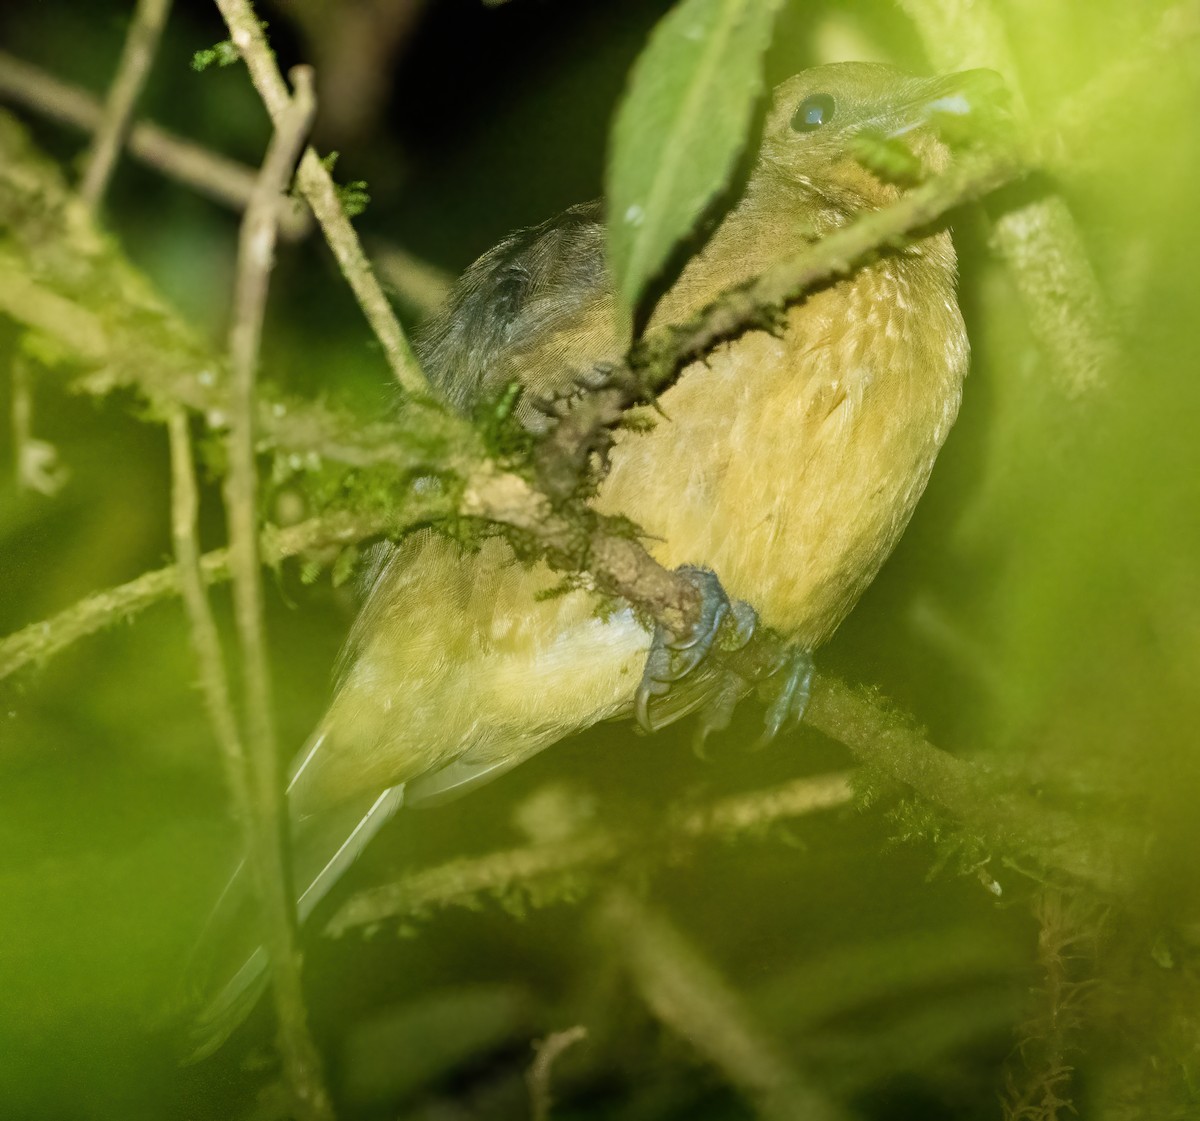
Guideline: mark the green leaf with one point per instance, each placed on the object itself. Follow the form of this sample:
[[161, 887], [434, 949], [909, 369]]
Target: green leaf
[[678, 132]]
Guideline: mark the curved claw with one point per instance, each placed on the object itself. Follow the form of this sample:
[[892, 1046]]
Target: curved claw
[[673, 657], [794, 687], [717, 711]]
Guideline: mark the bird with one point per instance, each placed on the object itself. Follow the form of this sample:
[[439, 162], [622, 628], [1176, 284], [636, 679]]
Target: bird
[[777, 473]]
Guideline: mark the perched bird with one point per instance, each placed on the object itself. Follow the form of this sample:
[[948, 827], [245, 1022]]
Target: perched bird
[[781, 473]]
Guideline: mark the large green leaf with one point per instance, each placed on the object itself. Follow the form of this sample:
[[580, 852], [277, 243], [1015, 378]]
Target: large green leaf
[[678, 132]]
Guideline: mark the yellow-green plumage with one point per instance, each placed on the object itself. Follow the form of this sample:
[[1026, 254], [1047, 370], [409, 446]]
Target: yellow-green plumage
[[789, 465]]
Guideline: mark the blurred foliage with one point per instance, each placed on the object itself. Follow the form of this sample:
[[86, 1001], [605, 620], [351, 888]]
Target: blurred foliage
[[1040, 617]]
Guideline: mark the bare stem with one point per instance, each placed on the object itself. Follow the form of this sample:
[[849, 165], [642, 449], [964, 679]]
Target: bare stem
[[689, 995], [317, 186], [256, 249], [215, 176], [141, 43], [206, 642], [537, 1078]]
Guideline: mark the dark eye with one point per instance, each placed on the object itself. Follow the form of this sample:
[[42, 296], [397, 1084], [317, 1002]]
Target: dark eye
[[814, 111]]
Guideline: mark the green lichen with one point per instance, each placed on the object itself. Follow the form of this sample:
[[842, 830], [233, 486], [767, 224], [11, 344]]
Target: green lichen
[[219, 54]]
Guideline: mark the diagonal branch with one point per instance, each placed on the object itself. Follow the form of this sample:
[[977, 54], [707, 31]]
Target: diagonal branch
[[317, 186], [37, 643], [217, 177], [463, 883], [689, 995], [141, 43], [658, 358], [206, 643]]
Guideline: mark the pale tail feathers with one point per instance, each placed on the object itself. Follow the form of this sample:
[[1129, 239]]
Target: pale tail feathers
[[227, 962], [455, 780]]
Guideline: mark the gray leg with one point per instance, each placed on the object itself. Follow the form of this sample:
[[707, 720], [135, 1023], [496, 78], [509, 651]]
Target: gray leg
[[791, 686], [672, 657]]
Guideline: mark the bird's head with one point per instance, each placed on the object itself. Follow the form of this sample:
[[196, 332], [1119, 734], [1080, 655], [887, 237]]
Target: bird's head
[[852, 135]]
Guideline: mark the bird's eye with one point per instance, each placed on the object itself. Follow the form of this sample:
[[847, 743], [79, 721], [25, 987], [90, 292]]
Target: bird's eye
[[813, 112]]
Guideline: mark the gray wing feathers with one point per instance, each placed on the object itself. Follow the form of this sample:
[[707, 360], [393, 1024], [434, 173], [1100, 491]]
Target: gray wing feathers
[[530, 285]]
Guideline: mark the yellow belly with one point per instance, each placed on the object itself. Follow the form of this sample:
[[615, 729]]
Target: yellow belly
[[801, 458], [790, 469]]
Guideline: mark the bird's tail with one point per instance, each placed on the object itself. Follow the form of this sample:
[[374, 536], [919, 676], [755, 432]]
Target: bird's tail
[[228, 969]]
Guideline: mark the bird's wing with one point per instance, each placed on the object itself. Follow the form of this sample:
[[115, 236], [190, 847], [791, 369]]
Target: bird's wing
[[537, 309]]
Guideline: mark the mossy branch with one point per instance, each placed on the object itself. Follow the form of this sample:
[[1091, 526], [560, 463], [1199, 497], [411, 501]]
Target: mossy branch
[[142, 344], [468, 882]]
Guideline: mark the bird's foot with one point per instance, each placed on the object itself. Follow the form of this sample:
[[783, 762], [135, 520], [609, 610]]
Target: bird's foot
[[785, 687], [787, 691], [673, 656], [716, 712]]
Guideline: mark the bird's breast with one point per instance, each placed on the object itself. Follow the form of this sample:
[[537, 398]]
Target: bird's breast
[[791, 464]]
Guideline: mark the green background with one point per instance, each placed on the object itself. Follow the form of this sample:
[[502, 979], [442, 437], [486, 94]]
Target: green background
[[1040, 616]]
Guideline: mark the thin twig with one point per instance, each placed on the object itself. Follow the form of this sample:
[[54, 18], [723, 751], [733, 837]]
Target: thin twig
[[266, 835], [537, 1078], [689, 995], [39, 642], [317, 186], [421, 284], [206, 643], [465, 882], [418, 283], [209, 173], [141, 43]]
